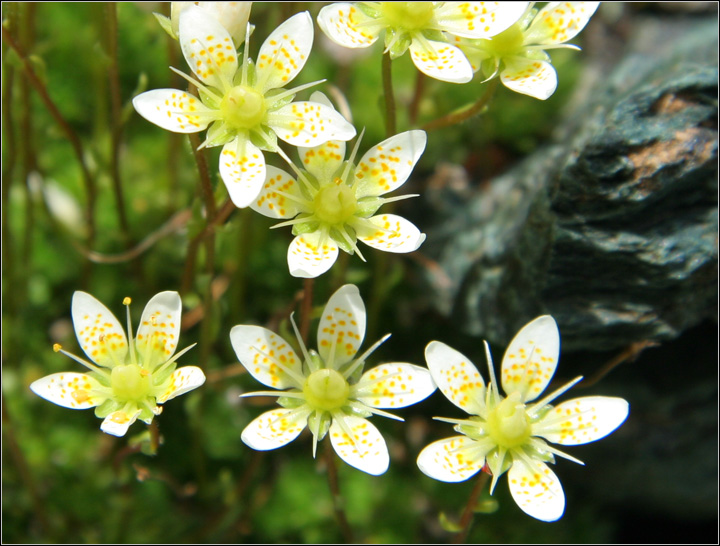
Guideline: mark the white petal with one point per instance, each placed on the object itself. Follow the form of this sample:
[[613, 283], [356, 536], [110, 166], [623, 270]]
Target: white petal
[[452, 459], [364, 447], [311, 255], [341, 23], [267, 356], [232, 15], [182, 380], [388, 165], [478, 19], [174, 110], [159, 330], [118, 422], [559, 22], [342, 326], [242, 168], [70, 390], [285, 52], [456, 377], [323, 161], [441, 61], [390, 233], [208, 48], [394, 385], [582, 420], [100, 334], [531, 358], [275, 428], [537, 79], [536, 490], [273, 200], [309, 124]]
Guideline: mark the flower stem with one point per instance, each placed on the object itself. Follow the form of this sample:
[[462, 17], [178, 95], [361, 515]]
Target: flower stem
[[75, 142], [335, 492], [463, 115], [390, 111], [414, 108], [466, 519], [116, 128], [306, 309]]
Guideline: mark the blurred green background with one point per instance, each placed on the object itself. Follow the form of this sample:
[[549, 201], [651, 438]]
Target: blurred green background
[[63, 479]]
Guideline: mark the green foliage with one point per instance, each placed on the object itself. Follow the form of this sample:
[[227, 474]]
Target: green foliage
[[65, 481]]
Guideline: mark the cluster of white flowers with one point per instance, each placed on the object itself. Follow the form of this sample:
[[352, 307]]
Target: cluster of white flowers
[[332, 203]]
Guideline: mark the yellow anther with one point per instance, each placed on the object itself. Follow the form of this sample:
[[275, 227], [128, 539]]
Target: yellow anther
[[127, 301], [57, 347]]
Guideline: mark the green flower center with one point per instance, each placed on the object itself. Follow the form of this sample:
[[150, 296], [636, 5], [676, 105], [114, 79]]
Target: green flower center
[[508, 424], [243, 107], [507, 43], [407, 15], [326, 390], [130, 383], [334, 204]]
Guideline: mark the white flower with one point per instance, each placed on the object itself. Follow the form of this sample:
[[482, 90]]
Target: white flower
[[511, 434], [128, 378], [518, 54], [333, 203], [325, 390], [246, 104], [232, 15], [420, 27]]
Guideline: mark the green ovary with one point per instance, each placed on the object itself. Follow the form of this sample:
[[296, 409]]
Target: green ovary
[[130, 383], [506, 43], [335, 203], [507, 424], [243, 108], [326, 390], [407, 15]]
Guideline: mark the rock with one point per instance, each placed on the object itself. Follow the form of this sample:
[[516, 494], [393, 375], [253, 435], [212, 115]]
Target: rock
[[613, 229]]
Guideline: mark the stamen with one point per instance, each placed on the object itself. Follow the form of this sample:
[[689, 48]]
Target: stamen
[[279, 394], [246, 53], [350, 241], [58, 349], [542, 446], [361, 359], [173, 358], [351, 160], [199, 86], [275, 98], [131, 340], [356, 404], [299, 380], [493, 388], [303, 349], [297, 171], [535, 408]]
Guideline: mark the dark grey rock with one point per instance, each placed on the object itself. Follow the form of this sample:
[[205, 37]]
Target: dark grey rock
[[614, 229]]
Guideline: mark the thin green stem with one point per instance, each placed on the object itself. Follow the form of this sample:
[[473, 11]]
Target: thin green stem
[[390, 110], [466, 519], [337, 499], [116, 126], [306, 309], [75, 142], [463, 115], [414, 108]]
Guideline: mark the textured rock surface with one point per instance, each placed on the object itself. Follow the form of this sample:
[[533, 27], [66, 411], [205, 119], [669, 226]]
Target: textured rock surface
[[614, 229]]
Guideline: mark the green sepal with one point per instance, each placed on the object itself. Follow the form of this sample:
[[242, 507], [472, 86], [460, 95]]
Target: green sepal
[[264, 140], [341, 242], [163, 376], [319, 424], [273, 105], [368, 10], [290, 403], [434, 35], [251, 74], [367, 206], [398, 40], [219, 135], [357, 411], [107, 407], [166, 24], [305, 227], [449, 525], [210, 99], [314, 364]]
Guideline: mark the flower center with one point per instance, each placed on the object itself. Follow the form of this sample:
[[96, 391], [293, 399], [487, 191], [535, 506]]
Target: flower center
[[407, 15], [506, 43], [508, 424], [326, 390], [335, 203], [243, 107], [130, 383]]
